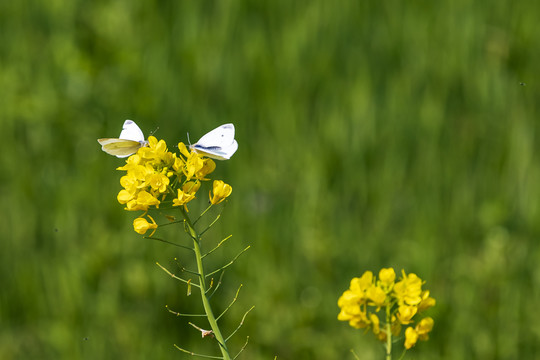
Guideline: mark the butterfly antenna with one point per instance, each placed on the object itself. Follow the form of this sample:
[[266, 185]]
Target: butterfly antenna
[[189, 142], [153, 132]]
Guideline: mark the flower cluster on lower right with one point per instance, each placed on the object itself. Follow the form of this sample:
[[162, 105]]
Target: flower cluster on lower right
[[403, 303]]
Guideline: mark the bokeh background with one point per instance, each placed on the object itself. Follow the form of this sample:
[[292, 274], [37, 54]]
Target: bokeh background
[[372, 134]]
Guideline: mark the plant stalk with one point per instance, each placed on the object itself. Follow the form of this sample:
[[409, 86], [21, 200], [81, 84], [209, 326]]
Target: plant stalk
[[388, 333], [202, 282]]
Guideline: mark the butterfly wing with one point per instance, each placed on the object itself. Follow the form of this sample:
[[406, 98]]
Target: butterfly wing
[[218, 144], [119, 147], [130, 131], [222, 135], [217, 152]]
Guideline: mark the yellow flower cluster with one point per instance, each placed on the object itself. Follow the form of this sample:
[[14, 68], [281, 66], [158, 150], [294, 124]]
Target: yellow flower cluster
[[155, 175], [361, 303]]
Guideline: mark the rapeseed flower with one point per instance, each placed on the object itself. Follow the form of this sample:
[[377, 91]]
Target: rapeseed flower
[[411, 336], [408, 289], [141, 225], [419, 332], [186, 193], [387, 276], [220, 192], [403, 300]]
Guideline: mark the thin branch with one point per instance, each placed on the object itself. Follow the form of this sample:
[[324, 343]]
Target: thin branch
[[204, 212], [176, 277], [402, 354], [218, 245], [217, 286], [242, 349], [184, 269], [240, 325], [230, 263], [212, 223], [168, 242], [171, 222], [190, 271], [194, 354], [231, 304], [180, 314]]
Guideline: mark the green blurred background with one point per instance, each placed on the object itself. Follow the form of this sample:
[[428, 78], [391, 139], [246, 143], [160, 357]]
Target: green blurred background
[[372, 134]]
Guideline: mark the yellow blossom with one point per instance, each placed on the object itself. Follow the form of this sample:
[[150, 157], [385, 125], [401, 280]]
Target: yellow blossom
[[208, 167], [155, 151], [187, 193], [193, 164], [131, 162], [143, 201], [387, 276], [375, 322], [144, 198], [408, 289], [348, 312], [353, 302], [124, 196], [352, 309], [426, 302], [420, 332], [405, 314], [363, 283], [349, 297], [183, 149], [158, 182], [376, 295], [178, 163], [130, 183], [141, 225], [424, 327], [411, 336], [221, 191], [356, 315]]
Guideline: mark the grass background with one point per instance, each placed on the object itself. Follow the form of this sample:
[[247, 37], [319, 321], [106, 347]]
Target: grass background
[[372, 134]]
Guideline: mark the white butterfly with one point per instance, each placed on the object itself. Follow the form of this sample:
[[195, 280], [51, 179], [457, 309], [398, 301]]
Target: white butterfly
[[218, 144], [130, 140]]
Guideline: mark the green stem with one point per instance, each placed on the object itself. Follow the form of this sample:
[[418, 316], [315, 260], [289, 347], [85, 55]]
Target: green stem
[[202, 282], [388, 333]]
